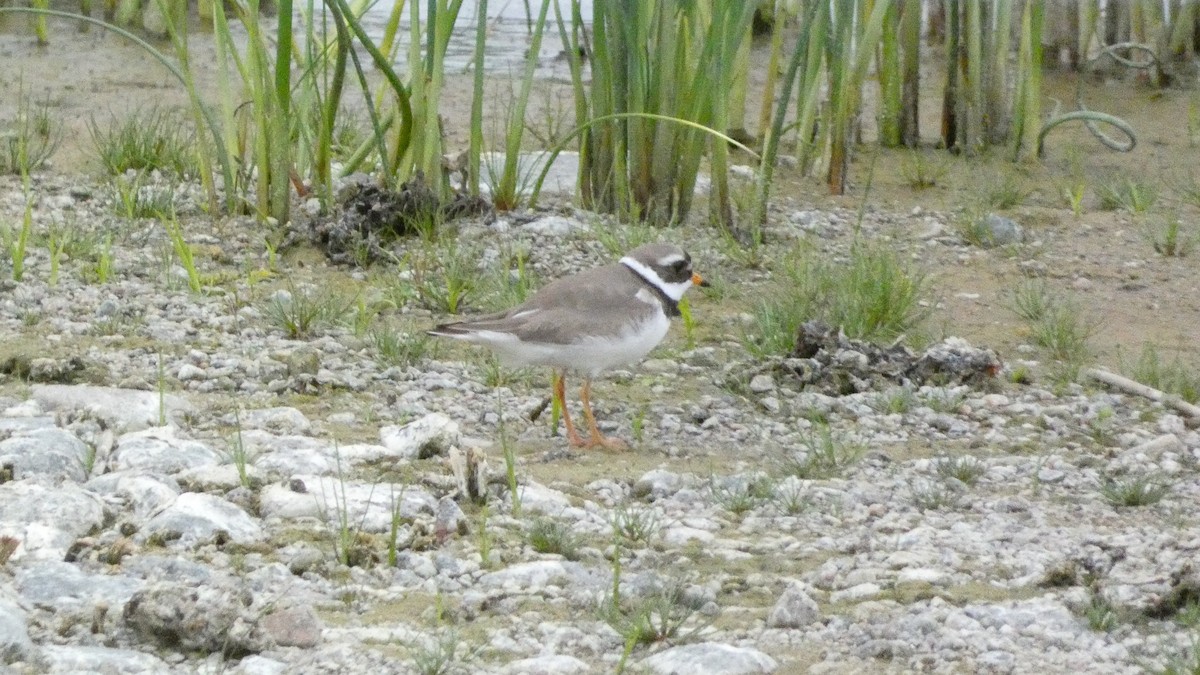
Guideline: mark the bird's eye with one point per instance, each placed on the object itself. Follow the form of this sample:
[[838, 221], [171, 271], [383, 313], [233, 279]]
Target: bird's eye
[[680, 265]]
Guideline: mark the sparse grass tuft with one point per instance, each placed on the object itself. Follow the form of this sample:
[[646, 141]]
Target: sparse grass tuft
[[239, 455], [1172, 239], [943, 400], [929, 496], [922, 170], [1185, 663], [1188, 190], [27, 143], [546, 535], [1009, 193], [1189, 614], [1174, 378], [1100, 614], [661, 616], [1064, 334], [1073, 194], [151, 139], [895, 401], [1131, 195], [1031, 300], [134, 196], [1142, 490], [396, 348], [510, 283], [1055, 325], [635, 524], [792, 499], [973, 230], [825, 455], [300, 313], [444, 277], [740, 495], [621, 238], [438, 655], [873, 296], [965, 468]]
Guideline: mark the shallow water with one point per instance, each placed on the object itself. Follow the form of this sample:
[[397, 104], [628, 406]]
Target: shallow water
[[509, 35]]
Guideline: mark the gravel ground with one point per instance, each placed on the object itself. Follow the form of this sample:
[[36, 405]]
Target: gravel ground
[[183, 484]]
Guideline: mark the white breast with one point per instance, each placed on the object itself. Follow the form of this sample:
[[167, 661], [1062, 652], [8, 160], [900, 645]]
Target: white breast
[[597, 353]]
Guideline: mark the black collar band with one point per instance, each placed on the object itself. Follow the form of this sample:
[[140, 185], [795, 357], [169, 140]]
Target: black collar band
[[669, 304]]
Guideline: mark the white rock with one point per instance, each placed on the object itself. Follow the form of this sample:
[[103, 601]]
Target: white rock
[[794, 609], [15, 644], [681, 535], [280, 420], [709, 658], [854, 593], [88, 659], [160, 450], [49, 452], [369, 506], [538, 498], [140, 492], [550, 664], [762, 383], [189, 372], [430, 435], [921, 575], [47, 520], [198, 518], [125, 409]]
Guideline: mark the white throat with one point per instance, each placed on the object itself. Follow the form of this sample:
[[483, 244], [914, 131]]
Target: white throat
[[673, 291]]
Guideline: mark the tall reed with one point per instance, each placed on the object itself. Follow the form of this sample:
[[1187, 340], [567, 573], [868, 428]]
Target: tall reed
[[653, 63], [1027, 102], [855, 30]]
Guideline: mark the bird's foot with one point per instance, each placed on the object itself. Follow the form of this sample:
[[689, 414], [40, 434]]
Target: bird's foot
[[607, 442]]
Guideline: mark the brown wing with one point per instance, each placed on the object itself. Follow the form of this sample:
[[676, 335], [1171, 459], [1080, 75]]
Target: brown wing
[[600, 300]]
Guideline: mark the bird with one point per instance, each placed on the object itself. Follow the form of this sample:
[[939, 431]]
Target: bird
[[587, 323]]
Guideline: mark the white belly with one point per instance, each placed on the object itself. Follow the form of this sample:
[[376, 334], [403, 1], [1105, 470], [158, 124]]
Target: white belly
[[589, 355]]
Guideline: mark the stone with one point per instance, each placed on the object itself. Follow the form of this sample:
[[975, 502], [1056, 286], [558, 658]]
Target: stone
[[1000, 231], [426, 437], [549, 664], [280, 420], [51, 452], [293, 627], [794, 609], [213, 617], [709, 658], [537, 498], [762, 383], [89, 659], [47, 520], [15, 644], [159, 450], [367, 505], [65, 587], [194, 518], [124, 409], [142, 493], [656, 484]]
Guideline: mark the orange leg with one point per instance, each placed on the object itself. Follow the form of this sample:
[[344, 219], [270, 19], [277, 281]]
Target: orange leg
[[596, 438], [560, 385]]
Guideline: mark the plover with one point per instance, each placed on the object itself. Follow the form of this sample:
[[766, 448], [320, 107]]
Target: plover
[[587, 323]]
